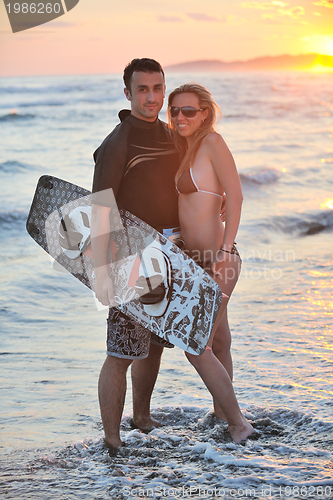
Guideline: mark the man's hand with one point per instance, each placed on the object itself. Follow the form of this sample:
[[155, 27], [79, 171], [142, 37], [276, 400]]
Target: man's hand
[[223, 210], [104, 290]]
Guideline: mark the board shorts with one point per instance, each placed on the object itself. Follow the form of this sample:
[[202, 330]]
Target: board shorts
[[128, 339]]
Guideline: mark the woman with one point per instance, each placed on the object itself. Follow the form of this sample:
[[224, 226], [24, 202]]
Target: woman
[[206, 172]]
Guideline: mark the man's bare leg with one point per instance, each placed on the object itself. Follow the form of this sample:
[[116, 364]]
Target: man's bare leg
[[221, 348], [144, 374], [112, 392]]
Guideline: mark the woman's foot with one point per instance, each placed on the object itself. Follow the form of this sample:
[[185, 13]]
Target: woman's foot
[[219, 416], [145, 425], [241, 432]]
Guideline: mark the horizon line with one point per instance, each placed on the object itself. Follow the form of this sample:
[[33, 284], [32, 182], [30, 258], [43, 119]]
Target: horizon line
[[239, 61]]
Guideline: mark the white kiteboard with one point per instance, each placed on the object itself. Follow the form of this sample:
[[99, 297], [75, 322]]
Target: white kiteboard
[[155, 283]]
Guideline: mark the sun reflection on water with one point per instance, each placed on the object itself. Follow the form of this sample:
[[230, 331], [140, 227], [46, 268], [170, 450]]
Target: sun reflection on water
[[327, 203], [319, 296]]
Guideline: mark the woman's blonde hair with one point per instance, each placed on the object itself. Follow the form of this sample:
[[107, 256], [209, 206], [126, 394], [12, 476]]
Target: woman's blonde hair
[[206, 101]]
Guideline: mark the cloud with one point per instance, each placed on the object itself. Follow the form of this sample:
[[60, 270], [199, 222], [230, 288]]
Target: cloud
[[296, 11], [199, 16], [279, 12], [324, 3], [196, 16], [62, 24], [263, 5], [281, 16], [170, 19], [279, 21]]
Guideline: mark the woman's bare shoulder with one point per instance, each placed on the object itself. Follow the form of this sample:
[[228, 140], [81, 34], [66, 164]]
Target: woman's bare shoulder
[[213, 140]]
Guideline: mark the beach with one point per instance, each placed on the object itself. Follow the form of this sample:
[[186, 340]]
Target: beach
[[278, 125]]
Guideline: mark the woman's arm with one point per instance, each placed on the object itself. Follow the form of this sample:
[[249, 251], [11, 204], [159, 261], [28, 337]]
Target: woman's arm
[[226, 171]]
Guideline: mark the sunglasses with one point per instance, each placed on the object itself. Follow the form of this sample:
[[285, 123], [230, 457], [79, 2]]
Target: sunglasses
[[187, 111]]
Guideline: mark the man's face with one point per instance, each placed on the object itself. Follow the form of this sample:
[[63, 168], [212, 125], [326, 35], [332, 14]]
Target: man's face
[[147, 94]]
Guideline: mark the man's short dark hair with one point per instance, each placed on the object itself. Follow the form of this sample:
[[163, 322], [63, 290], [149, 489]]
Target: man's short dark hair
[[146, 65]]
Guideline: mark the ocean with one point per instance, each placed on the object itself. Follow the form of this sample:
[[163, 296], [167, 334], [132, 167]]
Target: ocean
[[279, 128]]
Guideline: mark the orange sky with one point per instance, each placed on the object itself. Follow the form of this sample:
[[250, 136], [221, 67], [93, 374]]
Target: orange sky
[[102, 36]]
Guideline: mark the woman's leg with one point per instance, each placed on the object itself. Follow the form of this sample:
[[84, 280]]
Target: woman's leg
[[218, 382], [226, 274], [211, 370], [222, 350], [222, 344]]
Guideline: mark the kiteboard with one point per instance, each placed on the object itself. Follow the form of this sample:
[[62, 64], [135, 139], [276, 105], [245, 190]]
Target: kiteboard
[[155, 283]]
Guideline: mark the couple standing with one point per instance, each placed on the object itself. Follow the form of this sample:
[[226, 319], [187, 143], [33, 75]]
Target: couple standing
[[139, 161]]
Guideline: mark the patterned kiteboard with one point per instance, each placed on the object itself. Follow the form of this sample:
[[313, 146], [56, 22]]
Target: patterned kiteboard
[[155, 283]]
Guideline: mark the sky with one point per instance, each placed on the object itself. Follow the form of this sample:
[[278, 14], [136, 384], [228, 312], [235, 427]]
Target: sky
[[102, 36]]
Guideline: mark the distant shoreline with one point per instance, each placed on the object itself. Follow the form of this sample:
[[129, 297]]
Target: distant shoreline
[[286, 62], [283, 62]]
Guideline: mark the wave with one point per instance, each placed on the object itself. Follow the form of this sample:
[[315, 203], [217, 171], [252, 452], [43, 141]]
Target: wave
[[10, 217], [101, 98], [12, 167], [47, 89], [13, 117], [241, 116], [51, 102], [263, 175], [305, 224], [291, 449], [73, 100]]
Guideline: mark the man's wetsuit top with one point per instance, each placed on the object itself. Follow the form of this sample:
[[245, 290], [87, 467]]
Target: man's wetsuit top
[[139, 161]]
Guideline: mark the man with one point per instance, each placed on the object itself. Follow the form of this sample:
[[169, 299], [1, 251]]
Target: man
[[138, 162]]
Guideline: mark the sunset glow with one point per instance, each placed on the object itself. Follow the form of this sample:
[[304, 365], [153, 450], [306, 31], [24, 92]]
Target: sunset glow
[[327, 203], [319, 68], [102, 36]]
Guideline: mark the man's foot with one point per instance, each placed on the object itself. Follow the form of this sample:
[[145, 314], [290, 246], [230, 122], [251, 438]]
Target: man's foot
[[146, 425], [113, 450], [241, 432]]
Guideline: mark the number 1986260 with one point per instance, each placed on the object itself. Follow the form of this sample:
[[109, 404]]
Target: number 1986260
[[34, 8]]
